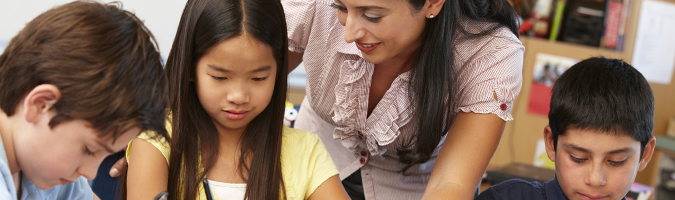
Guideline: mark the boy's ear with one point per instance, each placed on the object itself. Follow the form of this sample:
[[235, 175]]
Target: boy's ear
[[647, 155], [39, 101], [550, 146]]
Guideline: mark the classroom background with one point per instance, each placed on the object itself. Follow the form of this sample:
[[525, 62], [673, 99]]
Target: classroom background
[[556, 34]]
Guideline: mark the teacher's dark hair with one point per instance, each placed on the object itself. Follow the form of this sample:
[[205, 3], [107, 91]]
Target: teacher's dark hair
[[205, 23], [432, 78]]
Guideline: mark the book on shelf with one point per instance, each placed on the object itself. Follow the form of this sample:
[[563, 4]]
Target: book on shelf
[[625, 15], [618, 12], [597, 23], [612, 21], [557, 20], [541, 18], [583, 22]]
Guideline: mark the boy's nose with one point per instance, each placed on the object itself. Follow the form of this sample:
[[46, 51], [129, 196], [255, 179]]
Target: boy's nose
[[89, 169], [596, 177]]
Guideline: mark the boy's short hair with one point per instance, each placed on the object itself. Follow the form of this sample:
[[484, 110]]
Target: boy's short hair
[[603, 94], [103, 60]]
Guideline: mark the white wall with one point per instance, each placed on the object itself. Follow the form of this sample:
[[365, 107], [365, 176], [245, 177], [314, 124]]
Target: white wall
[[161, 17]]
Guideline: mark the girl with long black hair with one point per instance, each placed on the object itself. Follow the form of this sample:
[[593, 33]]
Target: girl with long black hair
[[227, 82]]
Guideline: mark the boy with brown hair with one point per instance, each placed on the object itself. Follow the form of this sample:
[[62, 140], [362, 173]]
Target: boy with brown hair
[[599, 134], [78, 83]]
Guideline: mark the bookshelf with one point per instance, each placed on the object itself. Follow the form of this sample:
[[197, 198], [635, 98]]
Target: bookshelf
[[520, 136], [666, 147]]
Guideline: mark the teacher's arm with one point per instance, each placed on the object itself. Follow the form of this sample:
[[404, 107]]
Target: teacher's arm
[[463, 158], [294, 59]]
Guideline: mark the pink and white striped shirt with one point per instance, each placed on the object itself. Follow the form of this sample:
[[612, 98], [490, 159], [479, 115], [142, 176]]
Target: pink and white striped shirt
[[489, 77]]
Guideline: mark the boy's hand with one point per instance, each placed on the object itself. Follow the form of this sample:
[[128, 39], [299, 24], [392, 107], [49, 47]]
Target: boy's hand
[[118, 167]]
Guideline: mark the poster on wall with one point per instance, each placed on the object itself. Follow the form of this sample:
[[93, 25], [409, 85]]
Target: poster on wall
[[547, 69]]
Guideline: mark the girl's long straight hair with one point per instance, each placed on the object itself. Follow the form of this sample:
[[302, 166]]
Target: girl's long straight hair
[[432, 70], [203, 24]]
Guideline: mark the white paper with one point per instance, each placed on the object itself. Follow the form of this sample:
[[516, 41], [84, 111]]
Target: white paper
[[654, 53], [540, 156]]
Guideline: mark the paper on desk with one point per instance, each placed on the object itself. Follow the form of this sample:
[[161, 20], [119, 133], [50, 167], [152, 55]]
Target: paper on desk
[[654, 52]]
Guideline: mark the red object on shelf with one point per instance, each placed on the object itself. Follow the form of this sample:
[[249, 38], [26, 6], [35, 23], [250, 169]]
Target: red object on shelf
[[526, 26]]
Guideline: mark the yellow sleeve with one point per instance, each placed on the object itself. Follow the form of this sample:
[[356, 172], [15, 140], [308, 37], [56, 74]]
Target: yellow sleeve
[[321, 166], [158, 141], [305, 163]]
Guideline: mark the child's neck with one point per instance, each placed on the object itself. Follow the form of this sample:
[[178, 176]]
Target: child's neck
[[230, 138], [226, 168]]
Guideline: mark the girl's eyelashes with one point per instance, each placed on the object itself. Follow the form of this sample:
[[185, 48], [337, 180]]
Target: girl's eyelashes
[[260, 79], [86, 150], [217, 78]]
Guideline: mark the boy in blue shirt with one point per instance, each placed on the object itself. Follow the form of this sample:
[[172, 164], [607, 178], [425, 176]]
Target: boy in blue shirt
[[77, 84], [599, 134]]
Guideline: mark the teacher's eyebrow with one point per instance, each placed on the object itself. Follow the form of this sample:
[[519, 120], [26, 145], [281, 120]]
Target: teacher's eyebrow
[[363, 7]]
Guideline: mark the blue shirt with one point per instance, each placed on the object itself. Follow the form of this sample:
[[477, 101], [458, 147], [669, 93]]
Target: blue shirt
[[78, 190], [520, 189]]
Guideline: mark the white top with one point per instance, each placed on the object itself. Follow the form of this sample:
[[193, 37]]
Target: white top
[[227, 190]]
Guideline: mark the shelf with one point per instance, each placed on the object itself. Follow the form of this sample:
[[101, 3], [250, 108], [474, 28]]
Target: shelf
[[569, 49], [665, 143]]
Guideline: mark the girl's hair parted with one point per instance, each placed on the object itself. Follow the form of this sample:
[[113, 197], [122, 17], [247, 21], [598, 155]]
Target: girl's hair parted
[[205, 23]]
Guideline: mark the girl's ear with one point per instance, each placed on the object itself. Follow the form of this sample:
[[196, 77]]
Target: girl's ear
[[39, 101]]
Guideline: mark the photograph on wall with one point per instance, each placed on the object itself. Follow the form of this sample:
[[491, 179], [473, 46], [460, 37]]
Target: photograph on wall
[[547, 69]]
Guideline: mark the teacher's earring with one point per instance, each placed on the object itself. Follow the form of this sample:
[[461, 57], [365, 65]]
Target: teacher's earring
[[431, 16]]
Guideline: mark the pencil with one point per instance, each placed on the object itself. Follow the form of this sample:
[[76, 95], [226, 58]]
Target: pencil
[[207, 189]]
